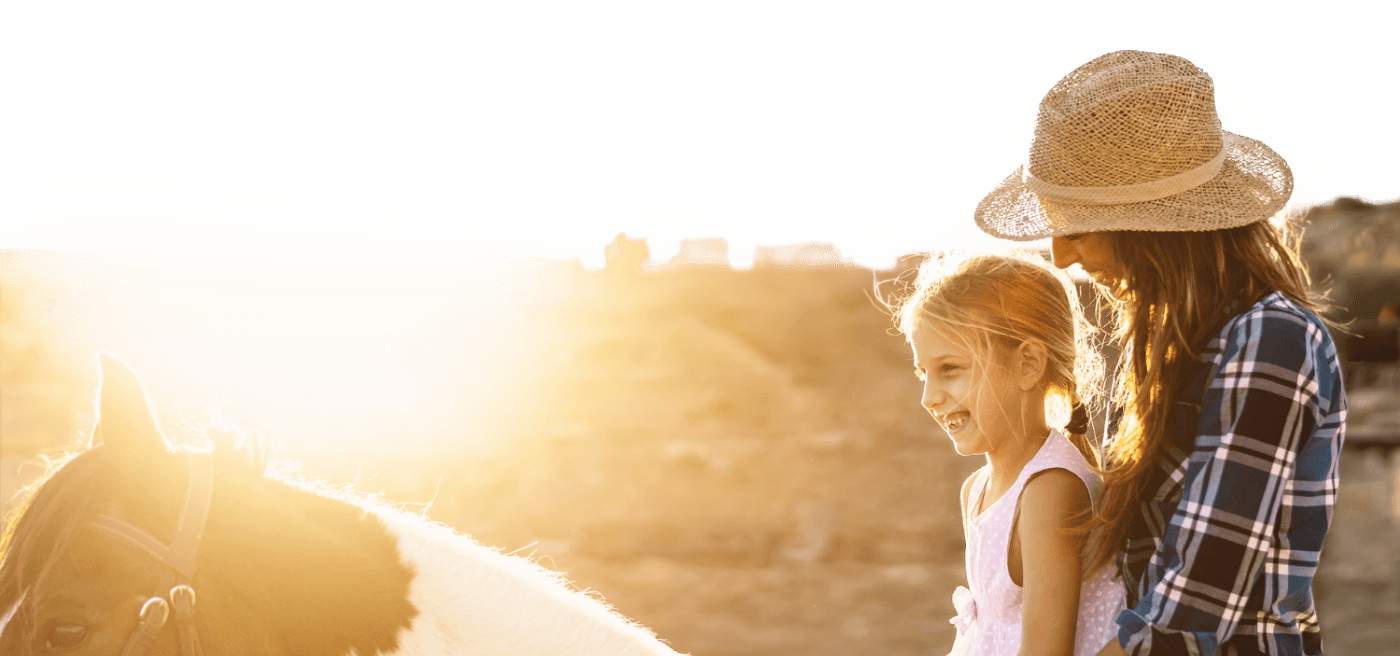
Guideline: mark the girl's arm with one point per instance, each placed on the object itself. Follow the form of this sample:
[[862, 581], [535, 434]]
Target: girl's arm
[[1052, 503]]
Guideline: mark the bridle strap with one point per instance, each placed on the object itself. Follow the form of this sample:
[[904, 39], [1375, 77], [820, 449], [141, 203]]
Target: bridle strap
[[182, 598], [190, 529], [180, 554], [153, 616]]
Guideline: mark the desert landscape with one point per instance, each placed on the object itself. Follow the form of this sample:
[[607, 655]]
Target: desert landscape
[[736, 459]]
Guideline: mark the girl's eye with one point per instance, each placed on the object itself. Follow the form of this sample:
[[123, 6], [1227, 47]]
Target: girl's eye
[[948, 369], [64, 637]]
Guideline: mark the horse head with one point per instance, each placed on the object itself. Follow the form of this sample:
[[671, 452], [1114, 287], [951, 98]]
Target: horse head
[[279, 567], [272, 559]]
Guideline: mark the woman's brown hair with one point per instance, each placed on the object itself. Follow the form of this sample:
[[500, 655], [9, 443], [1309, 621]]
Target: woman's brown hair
[[1179, 291]]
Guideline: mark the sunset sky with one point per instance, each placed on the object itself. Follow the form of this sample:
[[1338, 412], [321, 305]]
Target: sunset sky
[[185, 209], [340, 307]]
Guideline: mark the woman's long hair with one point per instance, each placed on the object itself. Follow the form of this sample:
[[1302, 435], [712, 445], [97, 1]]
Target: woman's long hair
[[1180, 290]]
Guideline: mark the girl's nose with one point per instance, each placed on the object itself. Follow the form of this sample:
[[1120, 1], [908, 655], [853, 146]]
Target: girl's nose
[[933, 396]]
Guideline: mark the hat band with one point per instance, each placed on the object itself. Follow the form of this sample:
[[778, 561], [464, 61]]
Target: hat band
[[1124, 194]]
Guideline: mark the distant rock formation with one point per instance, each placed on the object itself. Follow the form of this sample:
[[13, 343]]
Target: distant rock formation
[[625, 255], [1352, 247], [811, 253], [711, 251]]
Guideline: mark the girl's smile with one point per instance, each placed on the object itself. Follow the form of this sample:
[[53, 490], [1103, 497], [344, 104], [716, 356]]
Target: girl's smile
[[953, 422], [976, 402]]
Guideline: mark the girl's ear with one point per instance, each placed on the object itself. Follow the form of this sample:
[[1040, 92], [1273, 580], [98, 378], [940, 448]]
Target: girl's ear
[[1031, 357]]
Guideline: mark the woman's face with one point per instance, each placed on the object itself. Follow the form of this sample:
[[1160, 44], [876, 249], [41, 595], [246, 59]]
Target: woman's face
[[1093, 251]]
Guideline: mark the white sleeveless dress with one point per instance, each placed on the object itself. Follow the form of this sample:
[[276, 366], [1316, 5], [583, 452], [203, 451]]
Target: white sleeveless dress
[[989, 615]]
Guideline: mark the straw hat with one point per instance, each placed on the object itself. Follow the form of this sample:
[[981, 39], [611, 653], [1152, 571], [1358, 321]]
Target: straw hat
[[1131, 141]]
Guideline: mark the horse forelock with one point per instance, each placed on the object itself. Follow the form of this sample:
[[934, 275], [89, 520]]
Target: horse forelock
[[46, 516], [49, 512], [50, 509]]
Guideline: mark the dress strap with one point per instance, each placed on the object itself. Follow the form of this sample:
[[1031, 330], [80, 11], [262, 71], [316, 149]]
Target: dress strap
[[1058, 453], [975, 493]]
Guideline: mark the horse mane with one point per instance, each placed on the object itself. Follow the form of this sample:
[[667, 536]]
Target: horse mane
[[446, 540]]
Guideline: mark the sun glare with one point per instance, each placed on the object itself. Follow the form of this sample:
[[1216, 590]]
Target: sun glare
[[324, 363]]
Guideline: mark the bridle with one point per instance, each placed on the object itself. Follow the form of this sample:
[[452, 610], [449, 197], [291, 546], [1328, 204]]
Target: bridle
[[179, 556]]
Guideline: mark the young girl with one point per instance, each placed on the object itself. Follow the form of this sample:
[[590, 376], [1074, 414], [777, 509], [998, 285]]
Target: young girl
[[1002, 349], [1222, 471]]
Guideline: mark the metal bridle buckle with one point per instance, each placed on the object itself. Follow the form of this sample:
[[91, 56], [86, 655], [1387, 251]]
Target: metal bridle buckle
[[183, 598], [154, 613], [179, 556]]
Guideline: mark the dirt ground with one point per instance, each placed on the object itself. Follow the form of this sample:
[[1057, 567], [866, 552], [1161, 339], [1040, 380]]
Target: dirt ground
[[840, 608]]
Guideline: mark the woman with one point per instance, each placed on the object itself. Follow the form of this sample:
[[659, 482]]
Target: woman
[[1228, 407]]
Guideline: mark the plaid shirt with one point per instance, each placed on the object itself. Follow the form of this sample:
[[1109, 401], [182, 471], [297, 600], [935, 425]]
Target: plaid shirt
[[1224, 551]]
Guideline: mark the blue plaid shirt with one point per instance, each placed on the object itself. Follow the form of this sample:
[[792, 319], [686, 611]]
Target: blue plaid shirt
[[1222, 556]]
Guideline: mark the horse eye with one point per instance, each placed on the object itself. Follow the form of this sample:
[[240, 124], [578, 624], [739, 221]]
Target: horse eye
[[62, 637]]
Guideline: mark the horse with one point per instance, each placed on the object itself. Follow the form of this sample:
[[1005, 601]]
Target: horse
[[132, 529]]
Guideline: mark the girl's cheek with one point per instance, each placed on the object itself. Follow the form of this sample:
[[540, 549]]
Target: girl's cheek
[[957, 386]]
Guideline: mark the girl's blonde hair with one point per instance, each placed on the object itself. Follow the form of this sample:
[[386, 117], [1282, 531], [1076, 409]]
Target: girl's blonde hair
[[995, 302]]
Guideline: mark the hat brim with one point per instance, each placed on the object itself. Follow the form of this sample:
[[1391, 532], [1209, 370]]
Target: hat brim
[[1253, 184]]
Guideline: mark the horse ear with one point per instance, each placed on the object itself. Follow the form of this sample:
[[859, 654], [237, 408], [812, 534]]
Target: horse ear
[[126, 423]]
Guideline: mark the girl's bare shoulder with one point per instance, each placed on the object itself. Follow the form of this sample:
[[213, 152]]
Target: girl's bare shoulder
[[1052, 498]]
